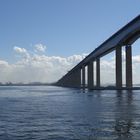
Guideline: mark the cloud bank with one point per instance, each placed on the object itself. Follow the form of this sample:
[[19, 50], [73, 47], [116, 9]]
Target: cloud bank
[[34, 67], [38, 67]]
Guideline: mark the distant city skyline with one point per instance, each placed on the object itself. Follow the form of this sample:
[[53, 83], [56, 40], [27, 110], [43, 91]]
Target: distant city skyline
[[40, 38]]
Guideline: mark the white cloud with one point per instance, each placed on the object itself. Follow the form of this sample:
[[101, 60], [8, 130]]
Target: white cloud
[[136, 59], [40, 48], [34, 67], [20, 50], [3, 63]]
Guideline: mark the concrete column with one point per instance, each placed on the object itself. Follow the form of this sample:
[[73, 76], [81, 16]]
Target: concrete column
[[119, 67], [128, 50], [98, 72], [83, 76], [90, 75]]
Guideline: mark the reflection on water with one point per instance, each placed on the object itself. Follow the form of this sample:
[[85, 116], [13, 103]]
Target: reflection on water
[[55, 113], [124, 114]]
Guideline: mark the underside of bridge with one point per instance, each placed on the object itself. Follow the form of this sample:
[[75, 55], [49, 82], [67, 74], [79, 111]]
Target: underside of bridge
[[125, 37]]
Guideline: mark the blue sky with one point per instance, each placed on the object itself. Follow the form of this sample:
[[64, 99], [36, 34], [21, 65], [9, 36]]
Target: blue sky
[[66, 27], [49, 37]]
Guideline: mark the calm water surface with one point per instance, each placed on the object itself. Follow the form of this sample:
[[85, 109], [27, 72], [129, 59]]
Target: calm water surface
[[55, 113]]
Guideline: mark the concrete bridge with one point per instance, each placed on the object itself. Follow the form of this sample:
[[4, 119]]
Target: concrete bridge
[[125, 37]]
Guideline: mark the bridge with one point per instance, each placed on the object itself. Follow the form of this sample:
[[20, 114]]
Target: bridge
[[125, 37]]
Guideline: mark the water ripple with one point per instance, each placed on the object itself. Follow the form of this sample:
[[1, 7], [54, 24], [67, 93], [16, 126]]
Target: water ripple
[[54, 113]]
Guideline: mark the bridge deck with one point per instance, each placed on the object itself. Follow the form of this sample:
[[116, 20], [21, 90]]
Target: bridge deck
[[122, 37]]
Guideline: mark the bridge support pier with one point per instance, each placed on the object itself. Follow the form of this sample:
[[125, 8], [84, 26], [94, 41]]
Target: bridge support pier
[[98, 72], [119, 67], [128, 50], [90, 75], [83, 76]]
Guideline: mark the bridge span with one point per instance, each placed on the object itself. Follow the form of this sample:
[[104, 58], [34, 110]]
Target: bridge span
[[125, 37]]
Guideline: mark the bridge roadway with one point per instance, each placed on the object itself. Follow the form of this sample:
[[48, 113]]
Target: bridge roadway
[[125, 37]]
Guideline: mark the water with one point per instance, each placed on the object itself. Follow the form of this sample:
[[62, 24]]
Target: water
[[55, 113]]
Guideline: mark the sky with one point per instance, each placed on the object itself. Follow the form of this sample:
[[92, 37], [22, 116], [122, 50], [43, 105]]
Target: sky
[[40, 40]]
